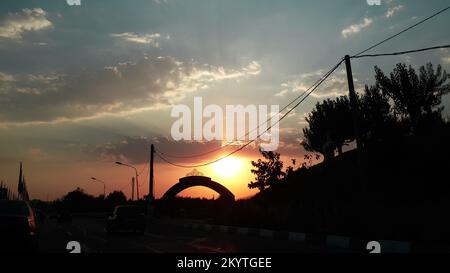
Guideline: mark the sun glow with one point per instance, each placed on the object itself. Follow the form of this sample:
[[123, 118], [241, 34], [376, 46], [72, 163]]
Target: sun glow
[[228, 167]]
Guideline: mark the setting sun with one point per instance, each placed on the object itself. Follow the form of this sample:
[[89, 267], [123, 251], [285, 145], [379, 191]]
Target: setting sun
[[228, 167]]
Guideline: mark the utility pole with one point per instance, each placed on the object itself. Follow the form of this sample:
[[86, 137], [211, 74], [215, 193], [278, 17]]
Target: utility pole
[[151, 181], [137, 184], [132, 189], [137, 177], [355, 117]]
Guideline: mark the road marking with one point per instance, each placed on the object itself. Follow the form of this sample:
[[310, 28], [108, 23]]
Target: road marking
[[242, 231], [295, 236], [223, 228], [69, 233], [266, 233], [338, 241], [207, 227], [395, 247]]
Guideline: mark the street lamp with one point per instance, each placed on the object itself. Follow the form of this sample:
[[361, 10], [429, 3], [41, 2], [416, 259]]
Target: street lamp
[[137, 175], [104, 185]]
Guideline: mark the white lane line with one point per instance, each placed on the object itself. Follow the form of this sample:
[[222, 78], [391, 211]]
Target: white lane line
[[242, 231], [208, 227], [338, 241], [223, 229], [295, 236], [266, 233], [69, 233]]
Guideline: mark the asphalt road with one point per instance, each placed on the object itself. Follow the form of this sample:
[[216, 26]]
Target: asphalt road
[[159, 238]]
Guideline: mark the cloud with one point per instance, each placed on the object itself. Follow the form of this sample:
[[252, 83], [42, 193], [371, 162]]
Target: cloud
[[391, 11], [130, 149], [336, 85], [282, 93], [135, 150], [446, 60], [150, 39], [13, 25], [6, 78], [356, 28], [122, 88]]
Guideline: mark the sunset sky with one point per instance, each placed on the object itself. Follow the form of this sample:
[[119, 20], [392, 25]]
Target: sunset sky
[[84, 86]]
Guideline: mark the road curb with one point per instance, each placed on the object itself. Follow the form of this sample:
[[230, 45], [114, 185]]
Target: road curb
[[334, 241]]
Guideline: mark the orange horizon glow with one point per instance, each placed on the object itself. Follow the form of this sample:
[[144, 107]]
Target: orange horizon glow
[[228, 167], [62, 177]]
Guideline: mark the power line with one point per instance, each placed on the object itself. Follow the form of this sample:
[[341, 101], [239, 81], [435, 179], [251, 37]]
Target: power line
[[254, 129], [401, 52], [147, 163], [270, 127], [307, 90], [194, 155], [145, 167], [403, 31], [127, 185]]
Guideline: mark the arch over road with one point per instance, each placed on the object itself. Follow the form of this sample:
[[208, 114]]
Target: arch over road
[[193, 181]]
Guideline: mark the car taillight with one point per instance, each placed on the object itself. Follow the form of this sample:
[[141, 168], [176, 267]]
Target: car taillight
[[32, 226]]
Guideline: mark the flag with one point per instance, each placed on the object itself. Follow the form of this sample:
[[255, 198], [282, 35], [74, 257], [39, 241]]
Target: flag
[[25, 196], [20, 186]]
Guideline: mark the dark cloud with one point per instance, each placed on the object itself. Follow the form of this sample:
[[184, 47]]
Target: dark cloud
[[136, 150], [129, 86]]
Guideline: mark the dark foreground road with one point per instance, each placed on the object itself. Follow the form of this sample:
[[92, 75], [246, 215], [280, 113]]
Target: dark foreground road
[[159, 238]]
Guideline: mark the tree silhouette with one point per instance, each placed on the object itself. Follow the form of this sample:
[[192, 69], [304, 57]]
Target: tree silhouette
[[330, 127], [376, 114], [116, 198], [267, 172], [416, 97], [77, 200]]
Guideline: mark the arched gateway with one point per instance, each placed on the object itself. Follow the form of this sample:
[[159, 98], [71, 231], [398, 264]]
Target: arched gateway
[[193, 181]]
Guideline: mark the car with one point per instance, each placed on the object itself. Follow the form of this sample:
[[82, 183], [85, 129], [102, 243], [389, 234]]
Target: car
[[126, 218], [18, 227]]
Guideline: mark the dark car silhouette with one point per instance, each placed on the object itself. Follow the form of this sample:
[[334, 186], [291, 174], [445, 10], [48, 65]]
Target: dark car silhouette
[[126, 218], [18, 226]]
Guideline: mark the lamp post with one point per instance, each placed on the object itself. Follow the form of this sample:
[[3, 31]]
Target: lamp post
[[136, 173], [104, 185]]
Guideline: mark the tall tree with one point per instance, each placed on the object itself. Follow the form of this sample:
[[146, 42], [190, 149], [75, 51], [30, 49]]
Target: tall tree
[[268, 172], [377, 119], [416, 97], [330, 127]]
